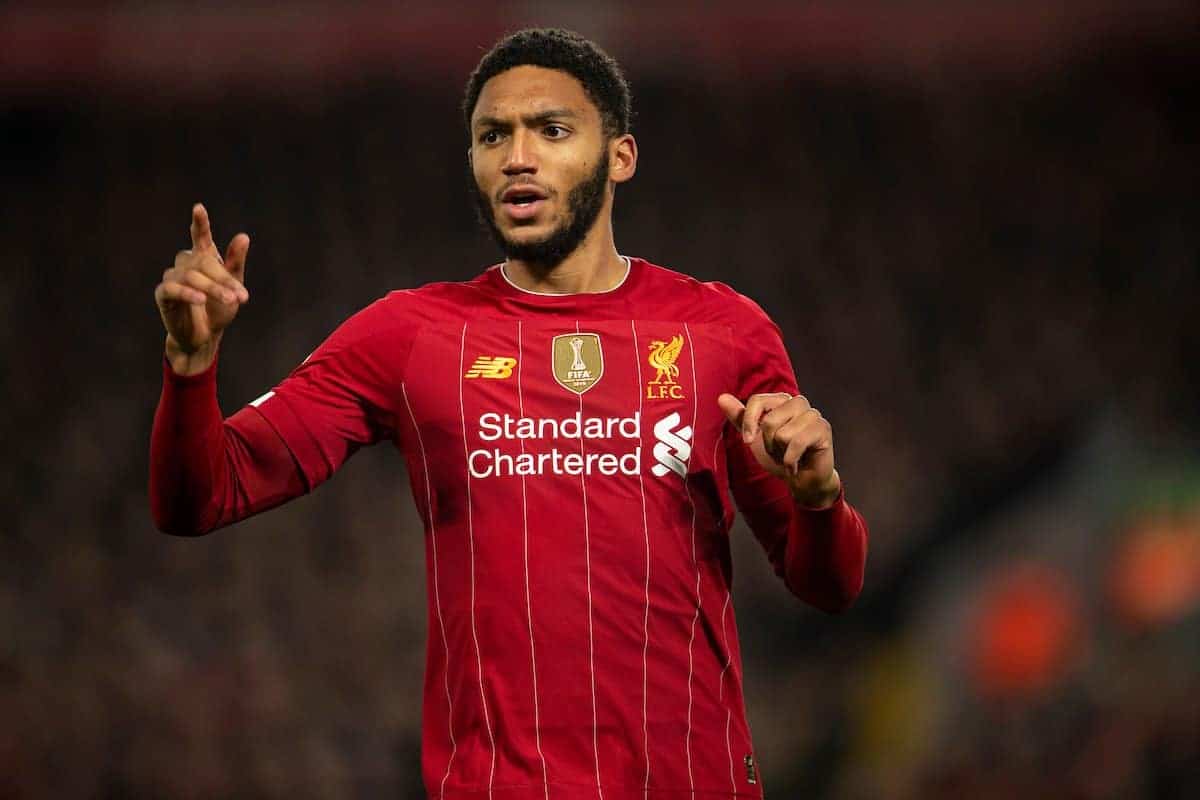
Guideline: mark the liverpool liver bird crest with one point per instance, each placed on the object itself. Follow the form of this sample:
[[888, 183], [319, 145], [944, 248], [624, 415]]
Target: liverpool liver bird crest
[[663, 356]]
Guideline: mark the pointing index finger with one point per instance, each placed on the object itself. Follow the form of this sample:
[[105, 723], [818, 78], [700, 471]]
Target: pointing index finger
[[201, 230]]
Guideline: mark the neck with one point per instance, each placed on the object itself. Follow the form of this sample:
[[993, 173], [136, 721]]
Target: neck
[[594, 266]]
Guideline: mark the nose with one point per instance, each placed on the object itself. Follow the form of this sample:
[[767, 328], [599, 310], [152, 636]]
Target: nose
[[520, 154]]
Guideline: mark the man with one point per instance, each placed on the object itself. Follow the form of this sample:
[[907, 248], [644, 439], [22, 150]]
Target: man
[[573, 421]]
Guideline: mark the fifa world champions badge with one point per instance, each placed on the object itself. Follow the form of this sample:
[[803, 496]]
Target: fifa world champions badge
[[578, 361]]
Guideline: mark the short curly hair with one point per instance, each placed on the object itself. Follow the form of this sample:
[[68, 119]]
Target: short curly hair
[[555, 48]]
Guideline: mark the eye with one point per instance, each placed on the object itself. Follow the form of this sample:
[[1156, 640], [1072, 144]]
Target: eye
[[489, 137], [555, 131]]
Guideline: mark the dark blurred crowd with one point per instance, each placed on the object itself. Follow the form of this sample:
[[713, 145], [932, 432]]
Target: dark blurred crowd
[[966, 275]]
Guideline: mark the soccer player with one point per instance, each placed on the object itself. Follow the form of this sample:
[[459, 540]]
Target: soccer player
[[573, 422]]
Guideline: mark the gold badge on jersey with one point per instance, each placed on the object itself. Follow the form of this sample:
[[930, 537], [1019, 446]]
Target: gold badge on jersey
[[578, 361], [663, 356]]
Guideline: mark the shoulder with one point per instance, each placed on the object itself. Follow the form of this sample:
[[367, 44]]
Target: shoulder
[[714, 301], [433, 295], [399, 313], [436, 300]]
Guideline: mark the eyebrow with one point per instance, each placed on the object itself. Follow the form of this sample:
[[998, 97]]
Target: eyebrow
[[530, 119]]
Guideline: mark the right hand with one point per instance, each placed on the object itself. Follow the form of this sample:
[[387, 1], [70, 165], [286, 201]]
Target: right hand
[[201, 294]]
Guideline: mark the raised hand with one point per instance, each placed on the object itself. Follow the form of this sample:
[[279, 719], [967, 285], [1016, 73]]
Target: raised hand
[[200, 295], [791, 440]]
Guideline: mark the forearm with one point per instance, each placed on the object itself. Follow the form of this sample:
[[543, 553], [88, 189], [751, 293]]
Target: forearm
[[827, 555], [187, 463], [206, 472], [822, 556]]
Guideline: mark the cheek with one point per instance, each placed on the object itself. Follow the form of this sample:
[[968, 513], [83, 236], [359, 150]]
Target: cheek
[[479, 177], [481, 169], [584, 170]]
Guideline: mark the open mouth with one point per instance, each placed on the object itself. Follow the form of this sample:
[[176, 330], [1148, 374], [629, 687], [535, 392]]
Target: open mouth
[[521, 199], [523, 202]]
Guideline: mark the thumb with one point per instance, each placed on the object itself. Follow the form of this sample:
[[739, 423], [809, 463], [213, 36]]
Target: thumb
[[732, 408], [235, 256]]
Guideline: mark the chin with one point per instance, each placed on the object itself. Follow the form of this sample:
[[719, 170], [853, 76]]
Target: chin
[[517, 242], [529, 233]]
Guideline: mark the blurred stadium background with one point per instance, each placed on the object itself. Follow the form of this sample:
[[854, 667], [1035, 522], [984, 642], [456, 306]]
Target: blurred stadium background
[[977, 224]]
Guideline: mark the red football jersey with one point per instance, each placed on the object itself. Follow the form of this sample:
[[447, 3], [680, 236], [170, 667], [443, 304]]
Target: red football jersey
[[573, 470]]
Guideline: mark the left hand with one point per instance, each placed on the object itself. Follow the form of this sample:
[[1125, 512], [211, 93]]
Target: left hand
[[791, 440]]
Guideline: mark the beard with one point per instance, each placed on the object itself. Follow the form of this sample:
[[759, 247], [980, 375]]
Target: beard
[[584, 202]]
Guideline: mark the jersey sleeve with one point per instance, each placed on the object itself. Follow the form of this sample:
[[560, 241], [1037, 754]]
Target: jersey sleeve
[[206, 472], [343, 396], [820, 554]]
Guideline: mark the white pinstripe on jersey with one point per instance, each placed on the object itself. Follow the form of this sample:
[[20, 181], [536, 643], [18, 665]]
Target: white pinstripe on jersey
[[587, 544], [462, 415], [637, 360], [437, 593], [695, 563], [728, 652], [537, 720]]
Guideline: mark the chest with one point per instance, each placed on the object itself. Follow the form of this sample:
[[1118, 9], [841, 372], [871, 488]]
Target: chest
[[611, 398]]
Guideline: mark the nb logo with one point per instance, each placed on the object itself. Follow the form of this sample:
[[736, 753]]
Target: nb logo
[[491, 367], [672, 450]]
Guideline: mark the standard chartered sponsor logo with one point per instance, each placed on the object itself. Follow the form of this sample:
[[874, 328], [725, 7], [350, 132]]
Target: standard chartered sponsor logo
[[485, 463], [673, 449], [489, 463], [493, 426], [671, 452]]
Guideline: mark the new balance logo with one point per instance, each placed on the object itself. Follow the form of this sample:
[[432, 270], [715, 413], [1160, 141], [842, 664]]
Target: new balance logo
[[672, 450], [491, 367]]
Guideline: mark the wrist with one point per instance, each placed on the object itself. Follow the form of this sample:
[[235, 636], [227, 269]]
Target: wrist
[[819, 497], [192, 362]]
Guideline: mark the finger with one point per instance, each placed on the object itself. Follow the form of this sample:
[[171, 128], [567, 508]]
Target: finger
[[812, 440], [794, 453], [201, 229], [796, 408], [801, 404], [758, 405], [198, 280], [206, 262], [732, 408], [217, 272], [170, 291], [785, 421], [776, 417], [235, 260], [777, 437]]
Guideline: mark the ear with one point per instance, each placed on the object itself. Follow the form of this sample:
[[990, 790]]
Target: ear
[[470, 158], [622, 158]]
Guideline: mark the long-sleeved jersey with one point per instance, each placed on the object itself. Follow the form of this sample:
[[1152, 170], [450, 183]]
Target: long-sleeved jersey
[[573, 471]]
